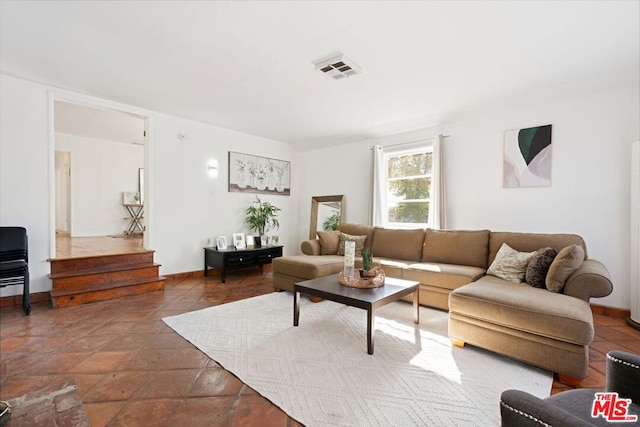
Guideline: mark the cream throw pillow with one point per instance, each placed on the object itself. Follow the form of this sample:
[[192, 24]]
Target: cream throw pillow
[[329, 241], [510, 264], [567, 261], [344, 237]]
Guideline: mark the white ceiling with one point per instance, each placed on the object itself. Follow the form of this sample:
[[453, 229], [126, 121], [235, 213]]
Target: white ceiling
[[248, 65]]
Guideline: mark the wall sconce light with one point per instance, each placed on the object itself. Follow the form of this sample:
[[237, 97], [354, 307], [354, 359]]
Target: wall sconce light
[[212, 168]]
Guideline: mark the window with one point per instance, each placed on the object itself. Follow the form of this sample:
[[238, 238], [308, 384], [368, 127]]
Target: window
[[407, 189], [408, 177]]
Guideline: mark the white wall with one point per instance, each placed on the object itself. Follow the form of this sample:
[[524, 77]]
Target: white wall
[[333, 171], [24, 172], [100, 171], [187, 206], [190, 206], [635, 233], [589, 195]]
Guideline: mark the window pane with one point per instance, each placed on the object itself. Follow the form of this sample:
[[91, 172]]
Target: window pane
[[408, 189], [409, 165], [409, 212]]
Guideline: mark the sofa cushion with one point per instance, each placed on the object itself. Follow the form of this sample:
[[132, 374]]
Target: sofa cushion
[[359, 241], [398, 244], [519, 306], [510, 264], [358, 230], [329, 242], [567, 261], [446, 276], [538, 267], [308, 267], [530, 242], [391, 267], [461, 247]]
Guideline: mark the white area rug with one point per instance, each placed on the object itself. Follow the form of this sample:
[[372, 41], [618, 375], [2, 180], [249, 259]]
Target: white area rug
[[320, 373]]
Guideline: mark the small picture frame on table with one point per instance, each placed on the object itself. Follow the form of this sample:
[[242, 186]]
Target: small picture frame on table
[[250, 242], [274, 240], [238, 241], [221, 243]]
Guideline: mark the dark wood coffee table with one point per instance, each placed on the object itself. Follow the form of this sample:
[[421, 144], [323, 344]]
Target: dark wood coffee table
[[329, 288]]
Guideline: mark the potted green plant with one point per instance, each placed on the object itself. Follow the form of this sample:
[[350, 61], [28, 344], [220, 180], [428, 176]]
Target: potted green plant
[[261, 215], [367, 263]]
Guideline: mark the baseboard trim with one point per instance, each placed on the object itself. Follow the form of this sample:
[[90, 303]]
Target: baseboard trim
[[188, 275], [619, 313], [213, 272], [16, 300]]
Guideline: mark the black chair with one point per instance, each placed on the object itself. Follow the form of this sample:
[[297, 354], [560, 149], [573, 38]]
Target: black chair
[[14, 261], [573, 408]]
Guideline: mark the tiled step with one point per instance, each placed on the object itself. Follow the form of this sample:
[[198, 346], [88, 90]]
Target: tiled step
[[105, 291]]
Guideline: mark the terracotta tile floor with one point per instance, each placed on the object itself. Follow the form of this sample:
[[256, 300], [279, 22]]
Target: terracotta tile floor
[[131, 369]]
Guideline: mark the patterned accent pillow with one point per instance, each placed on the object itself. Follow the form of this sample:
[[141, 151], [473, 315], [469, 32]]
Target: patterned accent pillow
[[344, 237], [510, 264], [567, 261], [329, 242], [538, 267]]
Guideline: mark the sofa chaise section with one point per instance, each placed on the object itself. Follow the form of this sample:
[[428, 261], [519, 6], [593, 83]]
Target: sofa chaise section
[[289, 270], [312, 264], [546, 329], [543, 328]]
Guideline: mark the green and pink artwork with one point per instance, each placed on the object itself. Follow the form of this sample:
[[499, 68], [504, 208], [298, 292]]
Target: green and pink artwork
[[527, 157]]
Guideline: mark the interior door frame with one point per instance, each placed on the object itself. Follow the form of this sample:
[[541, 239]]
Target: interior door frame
[[149, 166], [67, 191]]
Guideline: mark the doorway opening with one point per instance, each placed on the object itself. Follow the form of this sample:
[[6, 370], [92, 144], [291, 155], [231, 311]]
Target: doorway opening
[[99, 168]]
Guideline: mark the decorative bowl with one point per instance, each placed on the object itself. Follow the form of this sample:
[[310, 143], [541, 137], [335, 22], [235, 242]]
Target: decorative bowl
[[364, 282]]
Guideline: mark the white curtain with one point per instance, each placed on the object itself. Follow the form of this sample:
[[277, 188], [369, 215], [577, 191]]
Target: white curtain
[[378, 186], [438, 210]]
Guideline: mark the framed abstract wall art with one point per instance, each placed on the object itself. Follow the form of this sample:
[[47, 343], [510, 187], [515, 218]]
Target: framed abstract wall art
[[262, 175], [527, 157]]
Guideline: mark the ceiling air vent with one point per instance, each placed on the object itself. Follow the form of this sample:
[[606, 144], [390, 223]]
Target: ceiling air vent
[[337, 66]]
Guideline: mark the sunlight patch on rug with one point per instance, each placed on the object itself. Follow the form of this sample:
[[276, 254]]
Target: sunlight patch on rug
[[320, 373]]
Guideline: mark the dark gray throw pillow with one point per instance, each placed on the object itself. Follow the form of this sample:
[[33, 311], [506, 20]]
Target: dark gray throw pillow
[[538, 267]]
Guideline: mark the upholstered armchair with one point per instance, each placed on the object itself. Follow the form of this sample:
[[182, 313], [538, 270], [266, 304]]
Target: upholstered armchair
[[575, 407]]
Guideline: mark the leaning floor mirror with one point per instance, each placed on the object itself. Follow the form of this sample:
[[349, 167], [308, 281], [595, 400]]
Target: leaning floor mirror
[[327, 212]]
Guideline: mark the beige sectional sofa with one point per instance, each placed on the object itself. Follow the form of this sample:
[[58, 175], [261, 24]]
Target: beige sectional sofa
[[551, 330]]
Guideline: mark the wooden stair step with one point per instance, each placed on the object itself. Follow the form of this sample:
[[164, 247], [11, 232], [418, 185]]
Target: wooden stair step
[[103, 291], [92, 278], [100, 270], [115, 275], [60, 265], [103, 286]]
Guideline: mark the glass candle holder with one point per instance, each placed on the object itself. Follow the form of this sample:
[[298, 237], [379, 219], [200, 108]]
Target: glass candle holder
[[349, 259]]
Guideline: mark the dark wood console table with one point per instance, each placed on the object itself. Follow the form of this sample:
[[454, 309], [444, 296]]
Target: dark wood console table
[[232, 258]]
